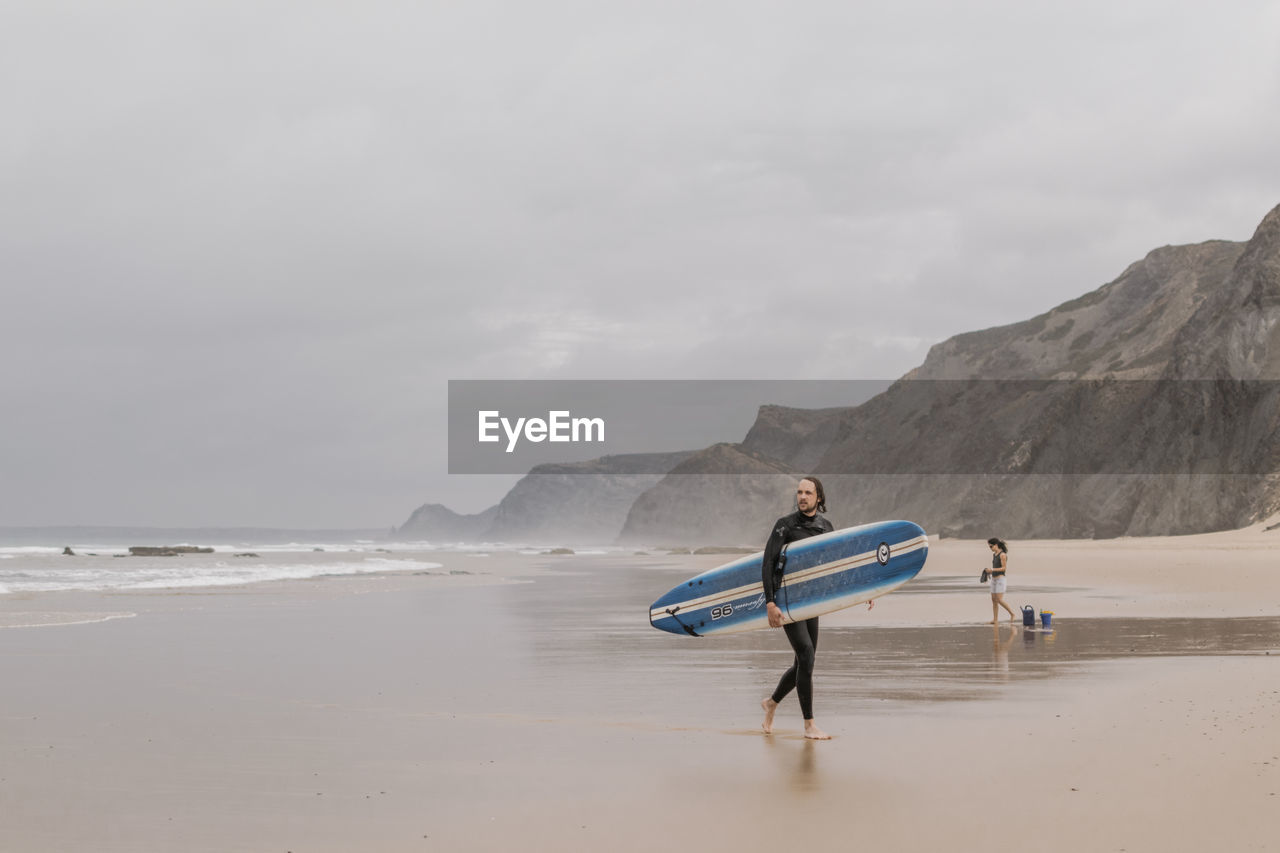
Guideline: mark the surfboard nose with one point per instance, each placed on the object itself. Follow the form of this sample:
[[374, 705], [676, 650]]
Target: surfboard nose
[[660, 616], [911, 530]]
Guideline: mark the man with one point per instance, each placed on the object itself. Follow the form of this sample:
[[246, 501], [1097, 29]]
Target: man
[[803, 636]]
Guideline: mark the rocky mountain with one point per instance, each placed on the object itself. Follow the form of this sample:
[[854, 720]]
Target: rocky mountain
[[577, 503], [1162, 415], [711, 498], [1146, 407], [438, 524], [797, 437], [1124, 330], [1235, 332], [1150, 406]]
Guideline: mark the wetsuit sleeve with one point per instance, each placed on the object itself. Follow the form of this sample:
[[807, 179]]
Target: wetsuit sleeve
[[772, 549]]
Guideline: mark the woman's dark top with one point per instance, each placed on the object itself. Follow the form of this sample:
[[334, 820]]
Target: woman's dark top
[[786, 530], [995, 564]]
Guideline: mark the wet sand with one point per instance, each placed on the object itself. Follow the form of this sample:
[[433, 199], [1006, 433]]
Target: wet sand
[[527, 705]]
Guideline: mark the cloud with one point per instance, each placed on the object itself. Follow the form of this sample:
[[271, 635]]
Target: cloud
[[253, 242]]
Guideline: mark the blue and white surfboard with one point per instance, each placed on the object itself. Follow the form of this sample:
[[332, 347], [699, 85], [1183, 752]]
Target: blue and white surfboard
[[822, 574]]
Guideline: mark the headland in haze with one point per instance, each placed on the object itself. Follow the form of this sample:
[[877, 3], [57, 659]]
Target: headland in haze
[[1147, 407]]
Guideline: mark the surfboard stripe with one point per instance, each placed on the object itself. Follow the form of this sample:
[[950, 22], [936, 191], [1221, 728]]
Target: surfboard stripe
[[832, 568]]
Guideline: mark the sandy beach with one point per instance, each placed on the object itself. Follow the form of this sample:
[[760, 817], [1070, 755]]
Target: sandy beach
[[522, 702]]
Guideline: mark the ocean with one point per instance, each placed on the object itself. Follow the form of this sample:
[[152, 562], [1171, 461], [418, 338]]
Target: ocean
[[34, 560]]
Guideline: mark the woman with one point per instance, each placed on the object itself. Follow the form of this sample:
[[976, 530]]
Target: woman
[[999, 564]]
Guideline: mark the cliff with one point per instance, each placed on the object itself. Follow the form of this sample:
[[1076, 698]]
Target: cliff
[[1152, 410], [1146, 407], [578, 503], [438, 524], [724, 495]]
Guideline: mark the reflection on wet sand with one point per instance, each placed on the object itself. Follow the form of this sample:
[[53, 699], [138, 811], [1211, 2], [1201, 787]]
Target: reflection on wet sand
[[800, 767], [595, 632], [967, 662], [1001, 639]]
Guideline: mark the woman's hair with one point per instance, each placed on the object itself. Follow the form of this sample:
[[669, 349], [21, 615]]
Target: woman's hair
[[822, 495], [1000, 542]]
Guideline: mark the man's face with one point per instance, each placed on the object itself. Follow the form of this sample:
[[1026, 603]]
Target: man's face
[[807, 497]]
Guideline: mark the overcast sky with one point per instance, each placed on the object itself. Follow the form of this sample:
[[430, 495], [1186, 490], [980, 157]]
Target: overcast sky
[[243, 246]]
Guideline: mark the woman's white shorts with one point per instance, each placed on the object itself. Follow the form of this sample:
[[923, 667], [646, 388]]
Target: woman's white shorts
[[999, 584]]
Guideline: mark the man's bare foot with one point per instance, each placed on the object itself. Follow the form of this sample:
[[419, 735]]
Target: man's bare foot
[[812, 731], [769, 707]]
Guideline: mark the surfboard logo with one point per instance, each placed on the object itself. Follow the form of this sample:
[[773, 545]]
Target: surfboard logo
[[882, 553]]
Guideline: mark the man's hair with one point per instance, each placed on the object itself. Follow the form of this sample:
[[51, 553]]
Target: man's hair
[[822, 495]]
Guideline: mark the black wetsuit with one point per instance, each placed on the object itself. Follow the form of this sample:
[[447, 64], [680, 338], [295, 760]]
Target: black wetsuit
[[802, 635]]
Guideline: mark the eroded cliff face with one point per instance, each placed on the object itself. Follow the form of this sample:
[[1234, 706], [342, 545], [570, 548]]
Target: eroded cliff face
[[579, 503], [1124, 330], [439, 525], [1146, 407], [1118, 413], [724, 495], [1235, 332], [1162, 417], [1204, 311]]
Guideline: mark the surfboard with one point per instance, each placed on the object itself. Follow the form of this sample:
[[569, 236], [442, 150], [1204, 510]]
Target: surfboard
[[823, 573]]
